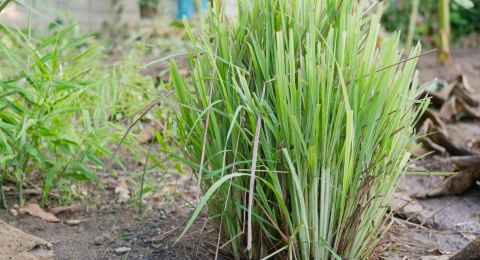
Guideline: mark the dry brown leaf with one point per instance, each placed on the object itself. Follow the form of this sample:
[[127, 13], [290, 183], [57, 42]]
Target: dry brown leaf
[[467, 110], [122, 191], [438, 91], [14, 212], [434, 135], [471, 251], [157, 200], [453, 185], [466, 162], [434, 117], [427, 131], [456, 108], [419, 151], [448, 111], [407, 208], [148, 133], [402, 203], [474, 144], [169, 189], [462, 90], [8, 188], [462, 101], [66, 209], [34, 210]]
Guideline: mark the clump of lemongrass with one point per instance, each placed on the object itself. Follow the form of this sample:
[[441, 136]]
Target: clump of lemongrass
[[296, 124]]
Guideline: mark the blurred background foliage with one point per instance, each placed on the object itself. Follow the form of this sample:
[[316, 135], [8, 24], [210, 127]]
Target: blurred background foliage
[[465, 22]]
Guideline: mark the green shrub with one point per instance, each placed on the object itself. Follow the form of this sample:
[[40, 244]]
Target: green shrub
[[296, 125], [43, 127], [62, 105]]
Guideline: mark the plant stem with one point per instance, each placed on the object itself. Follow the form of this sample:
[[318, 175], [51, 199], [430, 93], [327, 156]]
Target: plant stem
[[413, 24], [444, 22], [3, 199], [21, 180], [21, 200], [142, 181]]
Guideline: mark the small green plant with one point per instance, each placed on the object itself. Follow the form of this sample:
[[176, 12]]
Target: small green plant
[[63, 103], [297, 127], [44, 130]]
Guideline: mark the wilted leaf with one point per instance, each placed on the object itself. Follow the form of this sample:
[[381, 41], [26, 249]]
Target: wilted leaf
[[122, 191], [454, 185], [437, 90], [34, 210], [436, 137], [148, 133], [448, 109], [404, 205], [14, 212], [463, 90], [471, 251], [68, 209]]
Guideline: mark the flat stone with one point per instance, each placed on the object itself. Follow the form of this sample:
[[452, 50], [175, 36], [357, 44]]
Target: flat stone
[[18, 245]]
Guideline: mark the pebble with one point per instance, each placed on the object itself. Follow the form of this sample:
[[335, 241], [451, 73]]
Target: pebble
[[14, 212], [100, 240], [74, 222], [122, 250]]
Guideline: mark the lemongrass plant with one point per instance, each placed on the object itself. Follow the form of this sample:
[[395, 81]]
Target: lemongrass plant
[[296, 124]]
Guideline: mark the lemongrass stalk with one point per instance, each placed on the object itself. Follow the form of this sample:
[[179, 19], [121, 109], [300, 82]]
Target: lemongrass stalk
[[4, 4]]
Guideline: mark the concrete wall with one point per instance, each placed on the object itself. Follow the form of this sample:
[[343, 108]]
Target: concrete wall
[[90, 14]]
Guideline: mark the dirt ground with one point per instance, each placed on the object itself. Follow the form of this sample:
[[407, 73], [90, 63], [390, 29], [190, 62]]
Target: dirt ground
[[432, 228], [110, 230]]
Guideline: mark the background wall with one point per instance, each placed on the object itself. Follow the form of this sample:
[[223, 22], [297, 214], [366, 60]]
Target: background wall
[[90, 14]]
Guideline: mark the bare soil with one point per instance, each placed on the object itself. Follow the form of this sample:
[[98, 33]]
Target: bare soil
[[106, 230], [111, 230], [438, 227]]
